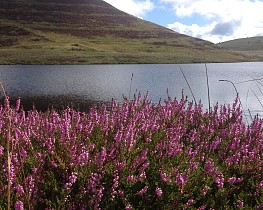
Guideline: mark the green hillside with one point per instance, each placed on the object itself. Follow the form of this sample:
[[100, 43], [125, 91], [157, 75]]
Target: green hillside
[[251, 46], [92, 31]]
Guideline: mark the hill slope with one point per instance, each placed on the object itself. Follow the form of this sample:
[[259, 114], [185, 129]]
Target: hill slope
[[92, 31], [252, 46]]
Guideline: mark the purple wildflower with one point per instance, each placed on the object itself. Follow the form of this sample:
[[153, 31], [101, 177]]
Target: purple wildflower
[[205, 190], [142, 191], [20, 190], [232, 180], [189, 202], [128, 207], [240, 204], [72, 179], [1, 150], [158, 192], [19, 205]]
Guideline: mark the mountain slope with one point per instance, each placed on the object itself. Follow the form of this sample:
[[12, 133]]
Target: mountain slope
[[92, 31], [251, 46]]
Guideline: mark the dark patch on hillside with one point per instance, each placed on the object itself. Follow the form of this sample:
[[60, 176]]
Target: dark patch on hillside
[[80, 18], [13, 31], [7, 42]]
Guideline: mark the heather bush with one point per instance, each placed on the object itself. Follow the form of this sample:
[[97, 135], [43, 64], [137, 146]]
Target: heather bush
[[138, 155]]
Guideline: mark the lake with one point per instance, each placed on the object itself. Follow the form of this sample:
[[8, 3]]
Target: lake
[[81, 86]]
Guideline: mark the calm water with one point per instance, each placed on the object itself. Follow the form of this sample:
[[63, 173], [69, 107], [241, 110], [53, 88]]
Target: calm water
[[81, 86]]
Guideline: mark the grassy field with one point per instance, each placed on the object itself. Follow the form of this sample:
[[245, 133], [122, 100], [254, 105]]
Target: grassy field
[[251, 46], [94, 32]]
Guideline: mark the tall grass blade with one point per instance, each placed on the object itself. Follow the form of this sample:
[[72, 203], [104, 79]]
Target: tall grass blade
[[130, 86], [208, 89], [250, 80], [237, 95], [248, 108], [257, 97], [187, 83]]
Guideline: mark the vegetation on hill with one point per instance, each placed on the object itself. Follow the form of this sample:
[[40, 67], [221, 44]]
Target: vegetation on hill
[[81, 31], [251, 46]]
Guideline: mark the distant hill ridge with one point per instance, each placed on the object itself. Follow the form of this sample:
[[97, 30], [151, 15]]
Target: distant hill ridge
[[93, 31], [250, 43], [250, 46]]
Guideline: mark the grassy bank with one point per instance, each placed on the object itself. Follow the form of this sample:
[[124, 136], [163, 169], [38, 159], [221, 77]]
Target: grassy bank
[[136, 156]]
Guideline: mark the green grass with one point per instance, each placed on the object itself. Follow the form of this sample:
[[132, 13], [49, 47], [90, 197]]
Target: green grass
[[251, 46], [94, 32], [53, 48]]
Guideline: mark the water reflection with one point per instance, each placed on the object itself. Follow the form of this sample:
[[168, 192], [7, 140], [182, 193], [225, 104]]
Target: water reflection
[[82, 86], [44, 103]]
